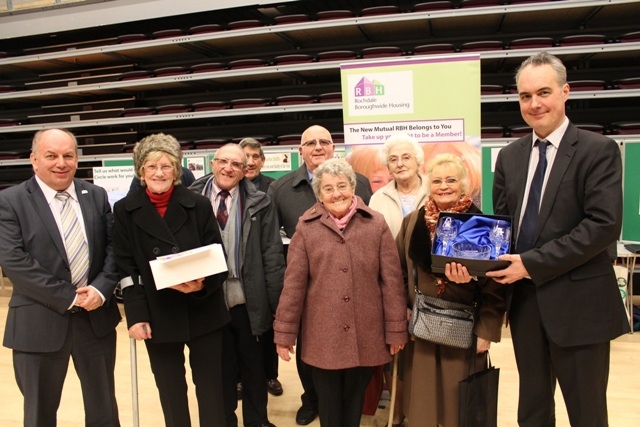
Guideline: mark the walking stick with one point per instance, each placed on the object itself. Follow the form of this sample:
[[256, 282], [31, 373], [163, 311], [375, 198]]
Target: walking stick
[[394, 381], [134, 382]]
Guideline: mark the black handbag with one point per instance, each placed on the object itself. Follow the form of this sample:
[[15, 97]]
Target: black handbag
[[440, 321], [478, 397]]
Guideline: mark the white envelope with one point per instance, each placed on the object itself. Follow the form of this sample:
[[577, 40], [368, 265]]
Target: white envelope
[[170, 270]]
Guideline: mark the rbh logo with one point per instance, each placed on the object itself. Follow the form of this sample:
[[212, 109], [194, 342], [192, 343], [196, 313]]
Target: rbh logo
[[366, 87]]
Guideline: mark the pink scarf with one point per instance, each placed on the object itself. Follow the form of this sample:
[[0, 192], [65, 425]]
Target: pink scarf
[[342, 222]]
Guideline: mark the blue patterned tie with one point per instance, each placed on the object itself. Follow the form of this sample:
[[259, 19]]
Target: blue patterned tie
[[526, 237], [74, 243]]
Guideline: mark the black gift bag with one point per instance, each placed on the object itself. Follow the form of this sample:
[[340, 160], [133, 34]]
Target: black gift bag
[[478, 398]]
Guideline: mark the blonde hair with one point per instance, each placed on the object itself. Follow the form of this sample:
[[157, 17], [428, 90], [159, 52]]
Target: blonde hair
[[454, 162], [471, 161]]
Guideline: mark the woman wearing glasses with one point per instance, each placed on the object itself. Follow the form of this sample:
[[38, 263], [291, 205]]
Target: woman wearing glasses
[[432, 372], [343, 287], [162, 218]]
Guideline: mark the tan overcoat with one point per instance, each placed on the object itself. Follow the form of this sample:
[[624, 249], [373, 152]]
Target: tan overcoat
[[432, 372]]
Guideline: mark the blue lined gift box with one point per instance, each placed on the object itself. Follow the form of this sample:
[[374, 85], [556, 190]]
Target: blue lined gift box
[[473, 232]]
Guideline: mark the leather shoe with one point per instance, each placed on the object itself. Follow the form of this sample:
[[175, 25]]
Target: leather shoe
[[274, 387], [239, 390], [306, 415]]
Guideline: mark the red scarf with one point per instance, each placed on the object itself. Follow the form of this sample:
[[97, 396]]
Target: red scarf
[[432, 211], [431, 214], [160, 201]]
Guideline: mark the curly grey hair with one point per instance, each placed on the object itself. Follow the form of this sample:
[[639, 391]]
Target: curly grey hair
[[152, 148], [401, 138], [335, 167]]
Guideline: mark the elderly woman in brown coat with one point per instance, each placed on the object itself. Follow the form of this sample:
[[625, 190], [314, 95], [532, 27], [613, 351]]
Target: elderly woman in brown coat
[[343, 287], [432, 371]]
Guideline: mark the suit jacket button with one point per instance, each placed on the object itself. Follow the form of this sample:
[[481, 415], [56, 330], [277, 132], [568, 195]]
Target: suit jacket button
[[346, 328], [156, 251], [175, 250], [346, 299]]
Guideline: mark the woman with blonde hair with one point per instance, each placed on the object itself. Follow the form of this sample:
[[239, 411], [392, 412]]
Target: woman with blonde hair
[[433, 371]]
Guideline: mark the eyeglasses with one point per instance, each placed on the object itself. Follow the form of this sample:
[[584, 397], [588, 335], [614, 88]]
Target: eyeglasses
[[154, 168], [342, 188], [394, 160], [226, 162], [449, 181], [314, 142]]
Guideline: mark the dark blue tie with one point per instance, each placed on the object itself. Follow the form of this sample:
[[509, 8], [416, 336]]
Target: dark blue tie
[[526, 237]]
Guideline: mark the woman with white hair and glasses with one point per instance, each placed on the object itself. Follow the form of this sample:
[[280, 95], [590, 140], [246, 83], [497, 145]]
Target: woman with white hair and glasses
[[408, 190], [343, 287]]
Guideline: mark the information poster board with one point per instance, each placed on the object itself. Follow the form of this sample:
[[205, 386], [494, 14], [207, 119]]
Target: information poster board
[[434, 99]]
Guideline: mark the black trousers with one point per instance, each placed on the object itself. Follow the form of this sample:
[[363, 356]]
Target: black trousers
[[270, 355], [581, 371], [341, 394], [309, 396], [243, 352], [40, 376], [205, 358]]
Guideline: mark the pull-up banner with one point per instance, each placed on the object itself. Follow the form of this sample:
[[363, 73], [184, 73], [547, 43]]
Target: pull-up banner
[[431, 98]]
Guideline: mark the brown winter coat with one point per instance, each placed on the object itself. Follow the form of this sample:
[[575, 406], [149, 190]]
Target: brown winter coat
[[344, 289], [432, 372]]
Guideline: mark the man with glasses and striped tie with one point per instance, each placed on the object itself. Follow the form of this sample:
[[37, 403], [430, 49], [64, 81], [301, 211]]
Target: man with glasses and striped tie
[[56, 250]]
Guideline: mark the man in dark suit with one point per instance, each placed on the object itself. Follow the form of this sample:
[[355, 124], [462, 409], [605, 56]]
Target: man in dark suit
[[292, 195], [57, 310], [565, 305]]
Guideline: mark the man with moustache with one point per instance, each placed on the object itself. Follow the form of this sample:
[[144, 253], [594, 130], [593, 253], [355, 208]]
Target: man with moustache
[[255, 260], [292, 195]]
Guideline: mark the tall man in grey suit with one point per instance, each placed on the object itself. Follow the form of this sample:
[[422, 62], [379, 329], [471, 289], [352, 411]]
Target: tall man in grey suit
[[292, 195], [55, 314], [565, 305]]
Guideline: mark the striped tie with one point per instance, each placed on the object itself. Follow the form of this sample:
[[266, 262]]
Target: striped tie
[[74, 243]]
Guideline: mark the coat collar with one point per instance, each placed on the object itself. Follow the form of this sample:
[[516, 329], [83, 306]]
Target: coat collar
[[146, 217], [43, 210], [301, 176], [319, 212]]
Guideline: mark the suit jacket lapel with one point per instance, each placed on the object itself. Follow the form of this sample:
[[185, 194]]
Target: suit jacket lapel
[[566, 151], [88, 214], [42, 209], [521, 172]]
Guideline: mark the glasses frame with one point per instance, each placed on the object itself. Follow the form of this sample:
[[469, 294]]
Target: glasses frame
[[448, 181], [152, 168], [328, 191], [313, 142], [404, 158], [223, 162]]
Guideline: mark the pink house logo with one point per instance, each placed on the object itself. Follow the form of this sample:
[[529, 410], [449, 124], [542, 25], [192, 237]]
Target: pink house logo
[[366, 87]]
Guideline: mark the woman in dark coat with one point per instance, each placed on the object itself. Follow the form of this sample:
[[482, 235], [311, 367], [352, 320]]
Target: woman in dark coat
[[163, 218], [432, 371]]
